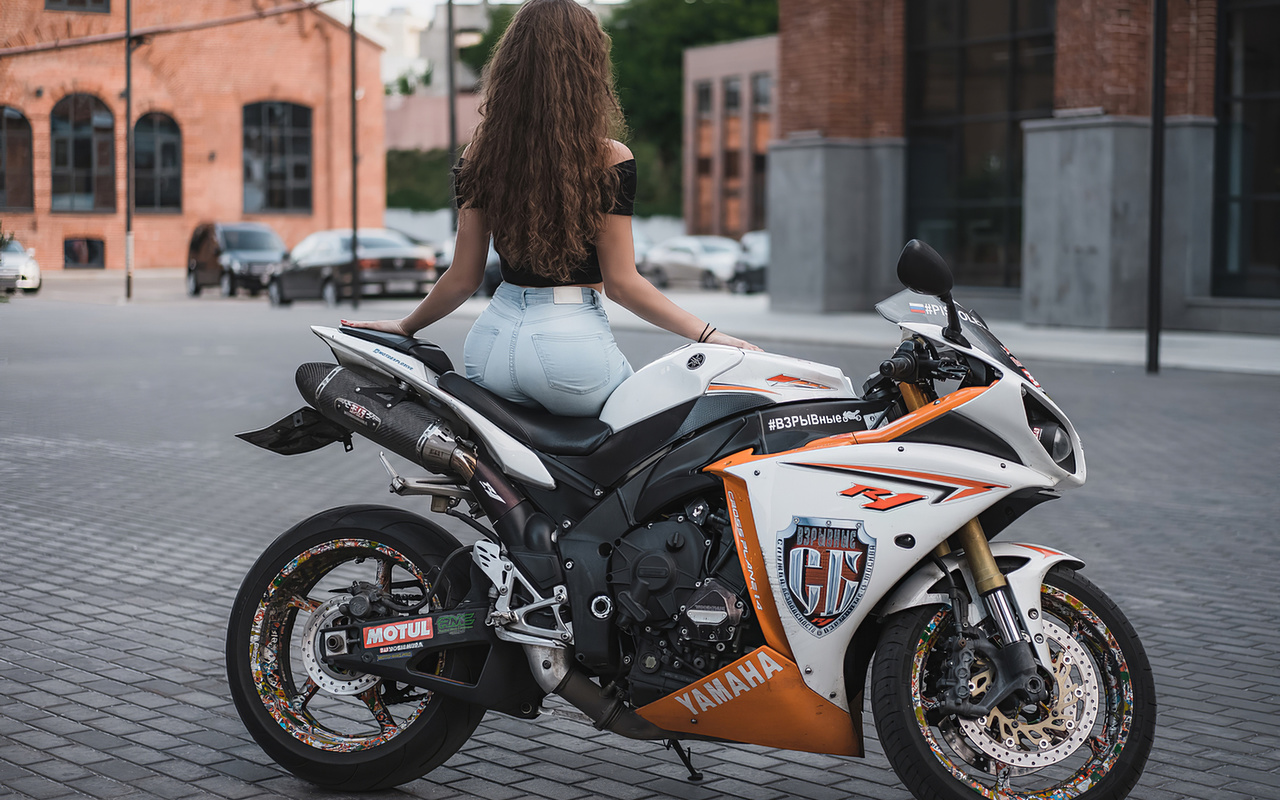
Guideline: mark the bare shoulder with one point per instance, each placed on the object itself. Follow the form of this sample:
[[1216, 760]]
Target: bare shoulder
[[619, 151]]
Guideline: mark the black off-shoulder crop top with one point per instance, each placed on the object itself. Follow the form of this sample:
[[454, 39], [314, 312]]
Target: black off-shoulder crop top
[[623, 203]]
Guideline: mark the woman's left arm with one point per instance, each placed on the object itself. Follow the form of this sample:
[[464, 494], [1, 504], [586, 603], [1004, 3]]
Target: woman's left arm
[[625, 285]]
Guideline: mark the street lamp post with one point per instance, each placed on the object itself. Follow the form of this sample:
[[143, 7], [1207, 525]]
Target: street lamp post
[[1156, 230], [453, 109], [128, 150], [355, 194]]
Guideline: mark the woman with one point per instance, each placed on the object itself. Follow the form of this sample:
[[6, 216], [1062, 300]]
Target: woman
[[544, 177]]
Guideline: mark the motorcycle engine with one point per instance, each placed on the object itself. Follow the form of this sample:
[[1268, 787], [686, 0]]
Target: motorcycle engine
[[679, 592]]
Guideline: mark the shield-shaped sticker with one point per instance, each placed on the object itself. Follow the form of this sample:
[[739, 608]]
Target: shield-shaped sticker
[[825, 565]]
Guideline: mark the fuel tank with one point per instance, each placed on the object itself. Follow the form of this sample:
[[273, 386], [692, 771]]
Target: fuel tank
[[711, 369], [375, 408]]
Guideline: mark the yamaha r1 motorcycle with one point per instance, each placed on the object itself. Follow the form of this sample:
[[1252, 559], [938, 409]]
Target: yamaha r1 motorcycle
[[724, 555]]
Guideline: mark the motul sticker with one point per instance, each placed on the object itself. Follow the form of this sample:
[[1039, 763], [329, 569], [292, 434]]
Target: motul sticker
[[358, 413], [395, 633], [825, 565]]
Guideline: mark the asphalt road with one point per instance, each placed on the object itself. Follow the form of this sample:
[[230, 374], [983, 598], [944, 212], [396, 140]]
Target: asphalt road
[[129, 514]]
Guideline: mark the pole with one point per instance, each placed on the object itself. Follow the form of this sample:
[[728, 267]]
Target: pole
[[128, 150], [1156, 235], [453, 109], [356, 288]]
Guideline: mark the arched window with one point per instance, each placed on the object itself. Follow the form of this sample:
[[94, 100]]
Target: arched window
[[82, 130], [15, 161], [277, 157], [157, 164]]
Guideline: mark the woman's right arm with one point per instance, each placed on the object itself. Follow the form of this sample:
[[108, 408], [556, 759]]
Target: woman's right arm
[[459, 281]]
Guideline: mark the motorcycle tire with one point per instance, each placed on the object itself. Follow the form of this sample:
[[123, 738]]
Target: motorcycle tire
[[345, 731], [1091, 741]]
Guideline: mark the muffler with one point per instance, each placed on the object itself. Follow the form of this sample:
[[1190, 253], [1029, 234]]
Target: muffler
[[374, 407]]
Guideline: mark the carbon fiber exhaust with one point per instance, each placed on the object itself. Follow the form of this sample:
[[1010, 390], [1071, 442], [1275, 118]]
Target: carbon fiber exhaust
[[373, 407]]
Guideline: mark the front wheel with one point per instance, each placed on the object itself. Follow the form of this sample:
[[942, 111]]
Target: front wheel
[[275, 294], [1091, 740], [349, 731], [228, 284]]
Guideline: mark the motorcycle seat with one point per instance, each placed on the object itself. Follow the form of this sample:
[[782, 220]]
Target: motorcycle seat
[[549, 433], [428, 353]]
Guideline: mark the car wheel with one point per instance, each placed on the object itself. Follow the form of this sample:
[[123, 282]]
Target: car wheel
[[709, 280], [329, 293], [228, 284], [658, 277], [739, 286], [193, 283], [275, 294]]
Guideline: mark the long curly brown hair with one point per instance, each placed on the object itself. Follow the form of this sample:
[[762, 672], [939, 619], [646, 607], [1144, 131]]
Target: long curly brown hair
[[540, 162]]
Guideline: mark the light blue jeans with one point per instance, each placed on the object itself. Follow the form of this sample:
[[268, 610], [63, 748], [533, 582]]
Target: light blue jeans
[[529, 349]]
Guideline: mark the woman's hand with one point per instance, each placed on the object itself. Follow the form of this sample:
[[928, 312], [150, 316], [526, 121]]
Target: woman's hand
[[395, 326], [723, 338]]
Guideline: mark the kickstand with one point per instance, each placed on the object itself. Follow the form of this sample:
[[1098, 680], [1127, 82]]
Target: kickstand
[[674, 744]]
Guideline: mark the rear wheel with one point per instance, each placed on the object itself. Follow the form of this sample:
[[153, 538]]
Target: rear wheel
[[275, 294], [1091, 740], [709, 280], [193, 282], [345, 730], [228, 284]]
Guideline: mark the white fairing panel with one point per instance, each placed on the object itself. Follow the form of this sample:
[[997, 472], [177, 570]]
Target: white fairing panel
[[517, 460], [827, 520], [697, 369]]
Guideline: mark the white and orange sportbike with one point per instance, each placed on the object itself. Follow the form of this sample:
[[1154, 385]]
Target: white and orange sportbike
[[724, 555]]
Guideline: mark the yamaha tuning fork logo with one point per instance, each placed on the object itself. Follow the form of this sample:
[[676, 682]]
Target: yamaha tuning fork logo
[[825, 565]]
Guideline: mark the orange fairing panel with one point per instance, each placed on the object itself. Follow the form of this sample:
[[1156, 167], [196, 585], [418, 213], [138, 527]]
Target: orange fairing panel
[[752, 560], [759, 699]]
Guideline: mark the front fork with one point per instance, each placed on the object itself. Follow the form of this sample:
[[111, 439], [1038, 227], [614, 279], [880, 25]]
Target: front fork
[[1017, 664]]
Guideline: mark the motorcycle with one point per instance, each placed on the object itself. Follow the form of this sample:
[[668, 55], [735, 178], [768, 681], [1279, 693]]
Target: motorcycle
[[725, 554]]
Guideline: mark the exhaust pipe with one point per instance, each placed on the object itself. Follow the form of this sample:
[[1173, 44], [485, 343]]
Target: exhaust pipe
[[367, 404]]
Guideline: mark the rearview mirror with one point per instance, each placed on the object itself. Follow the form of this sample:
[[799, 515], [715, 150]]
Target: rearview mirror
[[922, 270]]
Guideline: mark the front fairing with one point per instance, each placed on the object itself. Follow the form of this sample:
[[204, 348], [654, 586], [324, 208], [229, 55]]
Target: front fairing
[[924, 316]]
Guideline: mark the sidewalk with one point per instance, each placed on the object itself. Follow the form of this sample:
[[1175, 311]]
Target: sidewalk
[[749, 317]]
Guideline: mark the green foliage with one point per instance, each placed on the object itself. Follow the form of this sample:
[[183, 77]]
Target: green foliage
[[649, 39], [476, 55], [418, 179]]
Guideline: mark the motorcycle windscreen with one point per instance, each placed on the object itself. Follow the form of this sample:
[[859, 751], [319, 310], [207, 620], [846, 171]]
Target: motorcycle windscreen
[[908, 306], [301, 432]]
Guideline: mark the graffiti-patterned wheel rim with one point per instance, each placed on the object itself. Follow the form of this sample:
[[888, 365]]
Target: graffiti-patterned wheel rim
[[320, 706], [998, 759]]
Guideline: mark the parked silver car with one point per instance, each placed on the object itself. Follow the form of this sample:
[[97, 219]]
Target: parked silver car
[[19, 269], [709, 260]]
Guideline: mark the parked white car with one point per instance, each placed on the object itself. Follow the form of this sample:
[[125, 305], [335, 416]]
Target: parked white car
[[709, 260], [19, 269]]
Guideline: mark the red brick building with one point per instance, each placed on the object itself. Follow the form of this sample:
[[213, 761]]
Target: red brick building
[[1014, 136], [248, 121]]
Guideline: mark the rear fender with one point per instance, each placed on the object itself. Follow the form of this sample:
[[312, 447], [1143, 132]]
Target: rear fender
[[917, 589]]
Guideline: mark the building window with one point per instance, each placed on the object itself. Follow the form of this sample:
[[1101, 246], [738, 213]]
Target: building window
[[975, 70], [83, 254], [82, 132], [1247, 212], [731, 154], [97, 6], [703, 148], [277, 157], [157, 164], [761, 127], [15, 161]]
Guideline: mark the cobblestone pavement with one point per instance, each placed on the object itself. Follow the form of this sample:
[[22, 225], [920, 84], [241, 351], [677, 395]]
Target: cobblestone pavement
[[128, 515]]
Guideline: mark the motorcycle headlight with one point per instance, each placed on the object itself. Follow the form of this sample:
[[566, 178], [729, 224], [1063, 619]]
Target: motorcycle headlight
[[1051, 433]]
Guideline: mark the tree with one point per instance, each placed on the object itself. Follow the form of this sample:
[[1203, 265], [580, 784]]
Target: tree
[[478, 54], [649, 39]]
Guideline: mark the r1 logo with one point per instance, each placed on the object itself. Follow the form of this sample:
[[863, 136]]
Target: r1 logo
[[881, 499]]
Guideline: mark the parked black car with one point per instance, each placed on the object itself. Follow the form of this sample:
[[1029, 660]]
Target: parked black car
[[232, 256], [320, 267]]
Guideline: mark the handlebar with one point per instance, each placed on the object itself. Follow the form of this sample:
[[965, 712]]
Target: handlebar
[[900, 367]]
